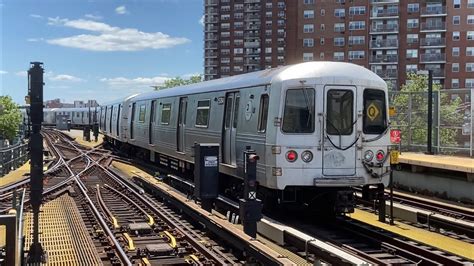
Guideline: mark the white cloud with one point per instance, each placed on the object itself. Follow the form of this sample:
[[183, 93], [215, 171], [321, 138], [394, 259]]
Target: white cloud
[[64, 77], [135, 82], [2, 72], [201, 20], [121, 10], [22, 74], [35, 39], [109, 38], [92, 16], [36, 16]]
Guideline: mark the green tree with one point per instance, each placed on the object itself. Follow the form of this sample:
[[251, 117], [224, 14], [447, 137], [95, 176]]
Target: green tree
[[178, 81], [411, 104], [10, 118]]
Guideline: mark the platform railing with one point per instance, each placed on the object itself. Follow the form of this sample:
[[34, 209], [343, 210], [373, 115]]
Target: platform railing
[[12, 157], [453, 127]]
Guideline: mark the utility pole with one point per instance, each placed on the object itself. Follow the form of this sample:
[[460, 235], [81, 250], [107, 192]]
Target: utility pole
[[35, 92]]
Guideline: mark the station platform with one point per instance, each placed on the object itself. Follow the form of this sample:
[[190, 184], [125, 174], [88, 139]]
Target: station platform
[[15, 175], [445, 162], [433, 239], [77, 135]]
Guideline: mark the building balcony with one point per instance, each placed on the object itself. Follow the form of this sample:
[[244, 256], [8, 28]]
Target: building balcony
[[251, 1], [380, 29], [433, 11], [383, 2], [212, 2], [387, 73], [211, 46], [210, 37], [211, 28], [210, 63], [430, 42], [384, 14], [252, 17], [211, 20], [249, 35], [438, 73], [253, 27], [212, 11], [433, 58], [252, 8], [384, 59], [211, 54], [433, 26], [250, 61], [383, 44], [251, 44]]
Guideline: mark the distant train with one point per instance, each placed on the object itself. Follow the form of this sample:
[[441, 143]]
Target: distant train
[[320, 129], [78, 116]]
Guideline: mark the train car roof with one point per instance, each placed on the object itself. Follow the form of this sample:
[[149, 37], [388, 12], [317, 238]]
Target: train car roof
[[329, 71], [121, 100], [71, 109]]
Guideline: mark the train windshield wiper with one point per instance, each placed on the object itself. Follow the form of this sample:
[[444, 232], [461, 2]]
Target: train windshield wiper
[[308, 106]]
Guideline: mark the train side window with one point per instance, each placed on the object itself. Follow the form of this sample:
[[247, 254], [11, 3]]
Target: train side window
[[298, 114], [166, 114], [263, 114], [236, 111], [228, 114], [202, 114], [375, 116], [340, 112], [141, 113]]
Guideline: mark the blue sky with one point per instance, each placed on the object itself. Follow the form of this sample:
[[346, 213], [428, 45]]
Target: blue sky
[[98, 49]]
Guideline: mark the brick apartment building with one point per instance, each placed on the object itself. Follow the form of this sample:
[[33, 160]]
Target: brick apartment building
[[390, 37]]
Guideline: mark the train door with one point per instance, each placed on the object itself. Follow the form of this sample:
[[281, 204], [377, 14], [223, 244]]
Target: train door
[[119, 111], [340, 132], [111, 118], [231, 116], [151, 126], [183, 105], [132, 120]]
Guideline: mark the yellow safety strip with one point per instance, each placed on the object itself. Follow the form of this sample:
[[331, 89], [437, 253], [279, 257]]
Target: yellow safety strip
[[172, 239], [194, 257], [115, 223], [151, 221], [12, 211], [146, 261], [131, 245]]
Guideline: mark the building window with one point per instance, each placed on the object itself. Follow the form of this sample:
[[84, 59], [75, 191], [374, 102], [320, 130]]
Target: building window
[[414, 8], [323, 12], [470, 35], [356, 55], [338, 56], [456, 35], [202, 114], [308, 57], [469, 67], [356, 25], [457, 3], [469, 51], [339, 12], [308, 28], [456, 20], [455, 83], [455, 51], [470, 19], [412, 23], [412, 68], [412, 38], [308, 42], [281, 5], [165, 114], [470, 3], [308, 14], [269, 5], [238, 50], [321, 55], [238, 69], [356, 40], [323, 27], [268, 50], [357, 10], [412, 53], [455, 67], [321, 41], [469, 83], [339, 41], [308, 2], [339, 27]]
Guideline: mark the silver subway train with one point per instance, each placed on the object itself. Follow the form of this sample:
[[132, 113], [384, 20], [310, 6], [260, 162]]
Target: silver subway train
[[320, 129], [79, 116]]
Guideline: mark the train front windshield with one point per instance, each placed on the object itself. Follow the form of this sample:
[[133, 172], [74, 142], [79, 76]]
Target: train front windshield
[[299, 111], [375, 114]]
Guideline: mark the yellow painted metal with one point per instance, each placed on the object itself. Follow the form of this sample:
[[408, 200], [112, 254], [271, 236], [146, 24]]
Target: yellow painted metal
[[145, 261], [194, 257], [172, 239], [151, 221], [131, 245], [115, 223], [436, 240], [392, 111]]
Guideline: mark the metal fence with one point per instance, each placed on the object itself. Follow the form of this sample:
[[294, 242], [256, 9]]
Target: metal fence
[[452, 120], [12, 157]]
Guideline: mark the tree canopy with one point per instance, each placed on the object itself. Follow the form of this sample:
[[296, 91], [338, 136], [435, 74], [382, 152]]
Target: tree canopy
[[10, 118], [411, 103], [178, 81]]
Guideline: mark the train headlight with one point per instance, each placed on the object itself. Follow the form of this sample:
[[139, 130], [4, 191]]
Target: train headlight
[[291, 156], [380, 155], [368, 155], [307, 156]]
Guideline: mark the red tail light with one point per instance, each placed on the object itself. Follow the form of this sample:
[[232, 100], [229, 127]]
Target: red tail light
[[291, 156], [380, 155]]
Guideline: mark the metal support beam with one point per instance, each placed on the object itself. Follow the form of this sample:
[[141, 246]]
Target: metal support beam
[[430, 112]]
